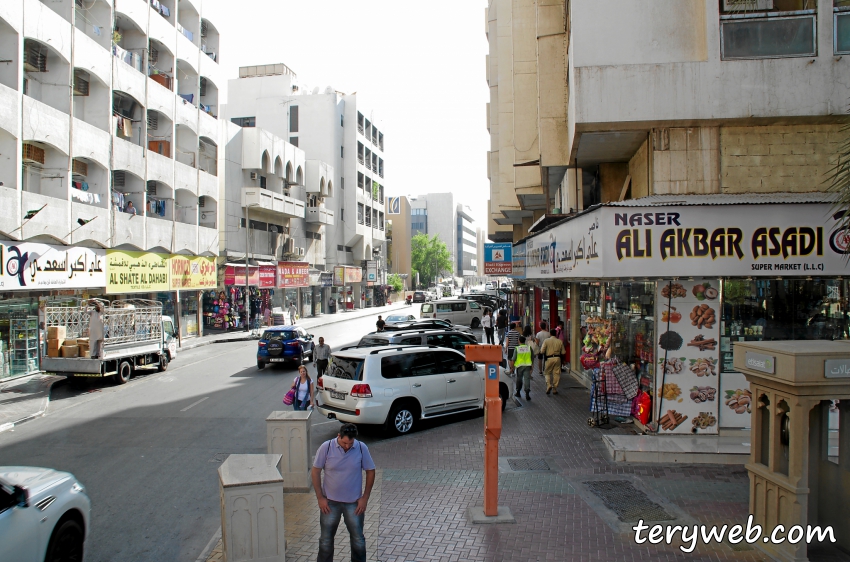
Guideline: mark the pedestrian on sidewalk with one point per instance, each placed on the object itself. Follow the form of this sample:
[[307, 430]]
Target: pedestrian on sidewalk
[[331, 305], [343, 459], [541, 336], [293, 311], [502, 324], [305, 393], [512, 339], [522, 360], [487, 324], [96, 330], [553, 350], [380, 324], [321, 355]]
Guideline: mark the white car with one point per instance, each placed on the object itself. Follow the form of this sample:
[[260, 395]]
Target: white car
[[400, 386], [489, 286], [44, 515], [398, 318]]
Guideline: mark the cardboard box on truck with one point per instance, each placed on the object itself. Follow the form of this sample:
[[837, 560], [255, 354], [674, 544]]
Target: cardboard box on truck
[[70, 351], [56, 332]]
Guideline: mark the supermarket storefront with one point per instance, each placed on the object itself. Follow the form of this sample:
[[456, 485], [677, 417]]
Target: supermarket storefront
[[667, 285]]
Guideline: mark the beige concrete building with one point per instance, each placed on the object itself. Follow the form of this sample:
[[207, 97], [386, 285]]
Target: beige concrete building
[[398, 239], [601, 100]]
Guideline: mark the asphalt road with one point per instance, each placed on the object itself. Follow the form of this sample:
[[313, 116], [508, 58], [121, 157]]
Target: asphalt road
[[148, 451]]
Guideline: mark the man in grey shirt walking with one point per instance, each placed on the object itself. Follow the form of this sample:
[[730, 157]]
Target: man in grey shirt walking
[[321, 355], [343, 460]]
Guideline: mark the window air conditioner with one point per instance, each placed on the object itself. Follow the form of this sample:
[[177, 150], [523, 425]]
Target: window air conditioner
[[79, 167], [201, 200], [32, 154], [253, 175], [300, 251]]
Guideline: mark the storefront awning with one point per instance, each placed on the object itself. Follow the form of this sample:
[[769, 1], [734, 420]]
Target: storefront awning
[[664, 236]]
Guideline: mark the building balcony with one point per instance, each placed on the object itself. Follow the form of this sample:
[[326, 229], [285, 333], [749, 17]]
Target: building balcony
[[45, 25], [128, 156], [160, 98], [51, 221], [160, 233], [10, 101], [160, 168], [10, 208], [90, 142], [45, 124], [135, 10], [207, 240], [91, 57], [98, 227], [128, 79], [185, 238], [281, 205], [130, 230], [185, 177], [187, 114], [161, 30], [320, 216], [187, 51], [207, 126], [207, 185]]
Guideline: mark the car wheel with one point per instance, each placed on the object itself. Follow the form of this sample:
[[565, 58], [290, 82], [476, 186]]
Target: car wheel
[[402, 418], [260, 365], [66, 543], [125, 371], [475, 324], [503, 394], [163, 363]]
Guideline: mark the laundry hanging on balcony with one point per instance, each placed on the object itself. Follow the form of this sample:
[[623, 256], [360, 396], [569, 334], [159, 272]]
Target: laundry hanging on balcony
[[85, 197], [187, 98]]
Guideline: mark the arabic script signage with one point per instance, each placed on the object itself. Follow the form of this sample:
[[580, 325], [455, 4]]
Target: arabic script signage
[[43, 267], [693, 240], [193, 272], [258, 276], [497, 259], [136, 272], [836, 368], [293, 274]]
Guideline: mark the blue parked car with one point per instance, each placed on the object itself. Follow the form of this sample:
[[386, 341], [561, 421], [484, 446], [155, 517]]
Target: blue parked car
[[284, 344]]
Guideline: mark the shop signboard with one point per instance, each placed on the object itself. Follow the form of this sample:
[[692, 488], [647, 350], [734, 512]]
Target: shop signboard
[[339, 276], [136, 272], [192, 273], [326, 279], [497, 259], [353, 275], [688, 355], [235, 275], [371, 271], [393, 205], [737, 240], [292, 274], [33, 266], [518, 261], [268, 276]]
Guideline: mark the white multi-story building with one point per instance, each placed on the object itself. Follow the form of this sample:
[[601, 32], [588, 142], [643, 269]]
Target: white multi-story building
[[331, 128], [104, 102]]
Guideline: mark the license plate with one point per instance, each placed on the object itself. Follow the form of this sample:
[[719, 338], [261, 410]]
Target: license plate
[[278, 360], [337, 395]]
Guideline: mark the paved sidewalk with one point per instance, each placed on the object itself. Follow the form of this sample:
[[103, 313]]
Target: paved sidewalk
[[24, 398], [427, 481]]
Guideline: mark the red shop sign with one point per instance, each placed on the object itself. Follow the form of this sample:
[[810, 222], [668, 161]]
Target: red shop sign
[[293, 274], [262, 276]]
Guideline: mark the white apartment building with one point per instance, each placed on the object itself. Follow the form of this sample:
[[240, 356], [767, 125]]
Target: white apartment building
[[104, 102], [331, 128]]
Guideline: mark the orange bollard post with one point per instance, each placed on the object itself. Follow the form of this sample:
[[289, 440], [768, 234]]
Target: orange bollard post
[[491, 355]]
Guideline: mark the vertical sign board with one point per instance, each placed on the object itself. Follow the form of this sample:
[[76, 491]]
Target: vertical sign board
[[393, 205], [371, 271], [497, 259]]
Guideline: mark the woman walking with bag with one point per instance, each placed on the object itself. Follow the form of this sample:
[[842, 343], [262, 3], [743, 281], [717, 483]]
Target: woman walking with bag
[[302, 393], [487, 324]]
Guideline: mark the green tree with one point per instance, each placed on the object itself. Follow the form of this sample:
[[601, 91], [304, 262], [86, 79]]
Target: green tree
[[430, 257], [394, 281]]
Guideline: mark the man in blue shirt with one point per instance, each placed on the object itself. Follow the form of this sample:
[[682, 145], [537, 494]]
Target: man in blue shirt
[[341, 494]]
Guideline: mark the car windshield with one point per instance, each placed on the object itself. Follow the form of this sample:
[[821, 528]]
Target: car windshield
[[278, 335], [347, 368], [397, 318]]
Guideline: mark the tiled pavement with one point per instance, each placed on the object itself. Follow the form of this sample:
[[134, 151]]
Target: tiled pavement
[[427, 481]]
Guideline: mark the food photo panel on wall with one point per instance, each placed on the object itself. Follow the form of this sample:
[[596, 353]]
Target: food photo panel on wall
[[688, 356]]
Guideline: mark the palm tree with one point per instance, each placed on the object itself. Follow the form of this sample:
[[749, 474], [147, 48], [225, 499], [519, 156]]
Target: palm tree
[[840, 176]]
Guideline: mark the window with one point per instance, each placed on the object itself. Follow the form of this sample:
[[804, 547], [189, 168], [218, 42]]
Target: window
[[349, 249], [444, 307], [342, 121], [841, 27], [767, 35], [340, 248], [293, 119], [347, 368], [451, 362], [342, 183], [372, 342], [293, 141], [459, 306], [474, 306], [415, 340], [342, 215], [263, 182], [360, 213], [342, 152], [360, 180], [396, 366], [425, 364], [427, 308], [244, 121], [275, 335]]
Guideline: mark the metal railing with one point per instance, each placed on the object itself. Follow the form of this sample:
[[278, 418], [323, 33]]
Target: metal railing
[[124, 321]]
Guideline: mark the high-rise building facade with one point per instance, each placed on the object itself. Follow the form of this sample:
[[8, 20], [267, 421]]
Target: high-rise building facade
[[438, 214]]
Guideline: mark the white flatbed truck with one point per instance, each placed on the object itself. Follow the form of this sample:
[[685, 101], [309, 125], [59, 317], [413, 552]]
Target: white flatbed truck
[[136, 336]]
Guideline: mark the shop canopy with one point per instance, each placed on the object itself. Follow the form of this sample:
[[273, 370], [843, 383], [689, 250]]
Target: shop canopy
[[663, 236]]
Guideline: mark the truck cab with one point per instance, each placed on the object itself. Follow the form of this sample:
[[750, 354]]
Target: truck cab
[[169, 337]]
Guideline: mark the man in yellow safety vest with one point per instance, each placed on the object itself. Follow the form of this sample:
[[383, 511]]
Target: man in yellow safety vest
[[522, 365]]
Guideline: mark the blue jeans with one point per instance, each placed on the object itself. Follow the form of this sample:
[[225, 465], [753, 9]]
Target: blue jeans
[[329, 524], [301, 404]]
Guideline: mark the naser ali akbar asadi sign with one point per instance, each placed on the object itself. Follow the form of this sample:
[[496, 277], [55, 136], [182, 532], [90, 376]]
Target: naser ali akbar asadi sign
[[728, 240]]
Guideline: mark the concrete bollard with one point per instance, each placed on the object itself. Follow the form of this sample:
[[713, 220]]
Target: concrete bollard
[[251, 496], [288, 435]]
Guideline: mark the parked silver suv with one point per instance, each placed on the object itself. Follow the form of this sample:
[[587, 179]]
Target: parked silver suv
[[398, 386], [453, 339]]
